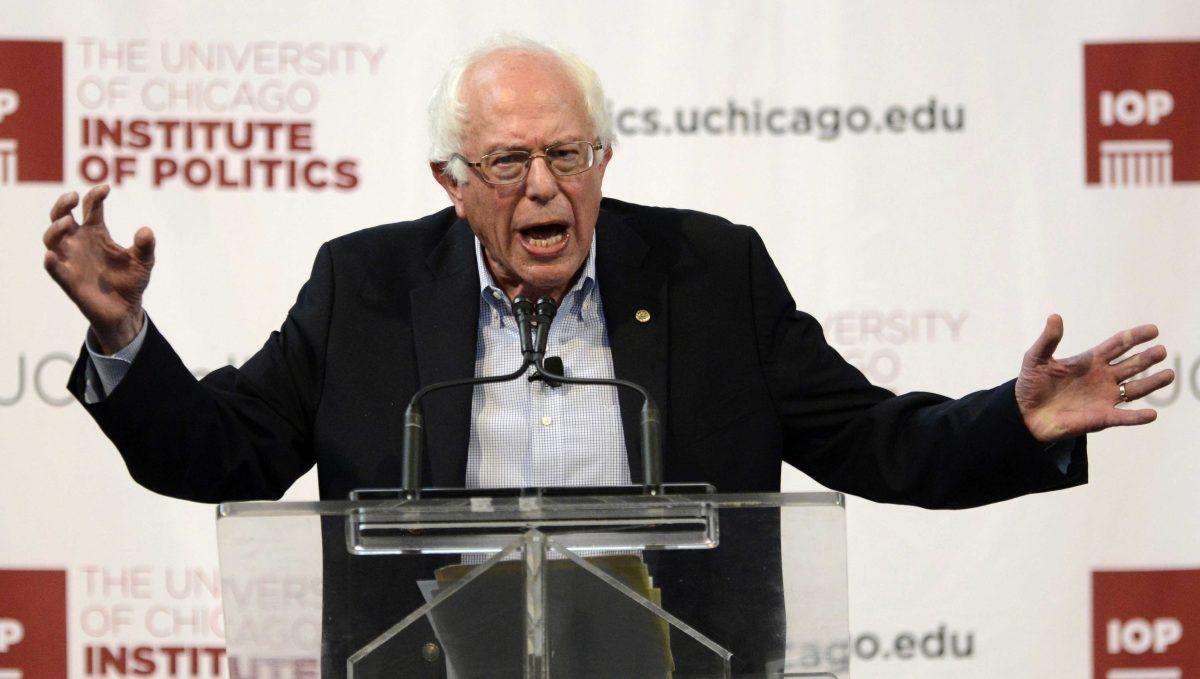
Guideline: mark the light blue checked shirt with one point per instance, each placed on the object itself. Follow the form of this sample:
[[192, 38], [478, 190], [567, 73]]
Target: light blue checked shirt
[[522, 433], [530, 434]]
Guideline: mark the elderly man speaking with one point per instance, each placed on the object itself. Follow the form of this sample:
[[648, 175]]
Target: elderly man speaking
[[682, 302]]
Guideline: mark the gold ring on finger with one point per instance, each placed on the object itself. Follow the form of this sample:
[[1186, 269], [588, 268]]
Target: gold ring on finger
[[1124, 396]]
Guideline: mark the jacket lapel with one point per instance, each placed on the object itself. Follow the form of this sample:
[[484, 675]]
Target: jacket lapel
[[631, 281], [445, 324]]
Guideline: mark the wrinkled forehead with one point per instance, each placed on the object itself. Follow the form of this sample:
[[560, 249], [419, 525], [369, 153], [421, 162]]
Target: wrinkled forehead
[[522, 100]]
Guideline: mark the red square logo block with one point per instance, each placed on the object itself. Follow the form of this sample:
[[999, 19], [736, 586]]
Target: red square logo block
[[31, 111], [1142, 108], [1146, 624], [33, 624]]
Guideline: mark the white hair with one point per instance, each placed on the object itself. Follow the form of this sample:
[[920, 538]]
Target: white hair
[[447, 111]]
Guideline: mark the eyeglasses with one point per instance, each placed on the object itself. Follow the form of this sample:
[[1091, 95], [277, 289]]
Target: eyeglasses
[[511, 167]]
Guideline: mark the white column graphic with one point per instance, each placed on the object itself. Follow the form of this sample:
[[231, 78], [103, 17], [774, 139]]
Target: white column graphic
[[1135, 162]]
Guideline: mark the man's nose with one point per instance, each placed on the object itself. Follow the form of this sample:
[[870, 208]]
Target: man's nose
[[540, 183]]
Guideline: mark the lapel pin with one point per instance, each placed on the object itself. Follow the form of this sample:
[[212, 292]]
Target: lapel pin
[[642, 316]]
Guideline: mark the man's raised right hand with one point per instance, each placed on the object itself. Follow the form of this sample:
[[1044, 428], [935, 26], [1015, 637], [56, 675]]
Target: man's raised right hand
[[105, 280]]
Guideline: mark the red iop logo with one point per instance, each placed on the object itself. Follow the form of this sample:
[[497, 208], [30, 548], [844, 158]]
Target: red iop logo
[[1140, 623], [33, 624], [31, 111], [1142, 102]]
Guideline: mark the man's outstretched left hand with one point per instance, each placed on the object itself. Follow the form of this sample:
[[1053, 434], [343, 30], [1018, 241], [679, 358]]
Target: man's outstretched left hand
[[1064, 398]]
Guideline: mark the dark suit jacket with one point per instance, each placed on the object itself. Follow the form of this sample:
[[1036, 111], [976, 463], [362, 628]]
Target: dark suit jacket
[[743, 378], [744, 381]]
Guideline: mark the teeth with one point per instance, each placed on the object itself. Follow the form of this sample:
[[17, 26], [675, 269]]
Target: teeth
[[547, 242]]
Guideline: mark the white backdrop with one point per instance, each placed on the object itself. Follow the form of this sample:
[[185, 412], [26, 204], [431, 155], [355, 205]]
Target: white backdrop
[[932, 252]]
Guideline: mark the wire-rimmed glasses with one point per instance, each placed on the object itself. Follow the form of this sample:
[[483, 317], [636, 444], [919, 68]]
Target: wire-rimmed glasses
[[510, 167]]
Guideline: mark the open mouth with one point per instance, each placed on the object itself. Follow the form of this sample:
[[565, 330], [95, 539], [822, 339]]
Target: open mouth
[[543, 236]]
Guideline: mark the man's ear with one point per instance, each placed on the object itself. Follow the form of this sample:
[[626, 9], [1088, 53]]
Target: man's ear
[[604, 160], [452, 187]]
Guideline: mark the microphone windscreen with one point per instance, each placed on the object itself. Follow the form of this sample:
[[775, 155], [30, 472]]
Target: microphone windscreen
[[546, 306], [523, 305], [554, 364]]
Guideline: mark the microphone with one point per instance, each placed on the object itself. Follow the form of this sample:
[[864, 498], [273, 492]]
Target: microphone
[[547, 308], [523, 310], [551, 369]]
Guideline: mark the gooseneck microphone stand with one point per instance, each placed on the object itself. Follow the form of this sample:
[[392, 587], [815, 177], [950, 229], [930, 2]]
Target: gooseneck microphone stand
[[533, 327]]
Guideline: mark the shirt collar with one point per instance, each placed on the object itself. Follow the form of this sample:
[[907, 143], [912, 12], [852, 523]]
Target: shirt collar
[[583, 289]]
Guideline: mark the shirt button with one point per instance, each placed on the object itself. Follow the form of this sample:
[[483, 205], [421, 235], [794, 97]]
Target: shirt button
[[546, 420], [496, 294]]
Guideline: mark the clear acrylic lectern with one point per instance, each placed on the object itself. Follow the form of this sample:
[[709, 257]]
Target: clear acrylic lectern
[[621, 584]]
